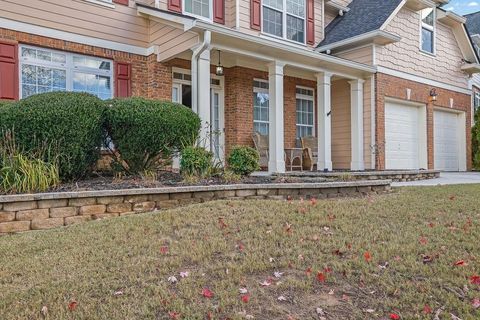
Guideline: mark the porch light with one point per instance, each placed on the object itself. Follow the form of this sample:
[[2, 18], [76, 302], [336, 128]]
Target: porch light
[[433, 94], [219, 68]]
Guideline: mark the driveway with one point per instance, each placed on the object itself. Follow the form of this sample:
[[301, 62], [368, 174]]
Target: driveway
[[446, 178]]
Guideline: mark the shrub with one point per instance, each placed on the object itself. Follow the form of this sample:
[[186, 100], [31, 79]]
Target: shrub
[[146, 131], [196, 162], [243, 160], [26, 172], [71, 120]]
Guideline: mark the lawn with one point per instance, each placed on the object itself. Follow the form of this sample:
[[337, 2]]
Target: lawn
[[413, 254]]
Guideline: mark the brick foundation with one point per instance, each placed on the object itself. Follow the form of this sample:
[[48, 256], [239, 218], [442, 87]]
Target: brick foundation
[[393, 87]]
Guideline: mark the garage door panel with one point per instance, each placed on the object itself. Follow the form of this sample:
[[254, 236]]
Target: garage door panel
[[401, 136], [446, 141]]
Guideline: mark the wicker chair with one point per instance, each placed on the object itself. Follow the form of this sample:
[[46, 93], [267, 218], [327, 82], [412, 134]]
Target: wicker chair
[[310, 152], [261, 144]]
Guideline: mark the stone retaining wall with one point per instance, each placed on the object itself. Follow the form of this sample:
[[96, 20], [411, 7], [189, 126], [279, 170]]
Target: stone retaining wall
[[397, 176], [50, 210]]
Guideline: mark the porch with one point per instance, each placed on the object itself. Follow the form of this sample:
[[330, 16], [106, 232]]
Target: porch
[[240, 85]]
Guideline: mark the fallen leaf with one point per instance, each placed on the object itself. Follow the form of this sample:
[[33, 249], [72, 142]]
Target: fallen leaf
[[475, 280], [452, 197], [266, 283], [384, 265], [427, 309], [222, 223], [172, 279], [207, 293], [423, 240], [174, 315], [476, 303], [321, 277], [427, 259], [370, 310], [282, 298], [320, 311], [184, 274], [72, 305], [277, 274], [313, 201], [308, 271], [243, 290], [367, 256], [118, 293], [394, 316], [271, 259], [44, 311], [164, 249], [454, 317], [460, 263], [245, 298]]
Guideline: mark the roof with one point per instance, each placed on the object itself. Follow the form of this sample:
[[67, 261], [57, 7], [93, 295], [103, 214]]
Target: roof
[[364, 16], [473, 23]]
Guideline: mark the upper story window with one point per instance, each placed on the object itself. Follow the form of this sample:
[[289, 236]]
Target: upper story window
[[427, 35], [199, 8], [43, 70], [285, 19]]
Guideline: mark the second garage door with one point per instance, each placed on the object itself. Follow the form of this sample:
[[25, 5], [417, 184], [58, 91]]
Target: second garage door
[[447, 140], [405, 136]]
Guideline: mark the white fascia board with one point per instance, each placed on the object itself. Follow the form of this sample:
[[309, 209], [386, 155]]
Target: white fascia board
[[72, 37], [283, 46], [376, 36], [168, 18]]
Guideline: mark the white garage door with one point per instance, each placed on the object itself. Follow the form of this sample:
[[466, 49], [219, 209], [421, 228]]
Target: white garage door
[[402, 138], [447, 141]]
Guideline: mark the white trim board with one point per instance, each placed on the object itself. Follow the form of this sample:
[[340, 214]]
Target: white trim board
[[423, 80], [72, 37]]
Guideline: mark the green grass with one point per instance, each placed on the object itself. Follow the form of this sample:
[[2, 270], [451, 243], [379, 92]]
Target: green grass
[[89, 263]]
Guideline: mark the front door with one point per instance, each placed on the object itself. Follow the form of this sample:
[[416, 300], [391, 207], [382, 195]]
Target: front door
[[218, 124]]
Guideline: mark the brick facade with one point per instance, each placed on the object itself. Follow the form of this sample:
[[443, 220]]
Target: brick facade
[[393, 87]]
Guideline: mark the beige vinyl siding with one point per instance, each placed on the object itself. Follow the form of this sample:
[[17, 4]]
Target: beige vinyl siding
[[80, 17], [171, 40], [362, 55], [230, 13], [317, 10], [405, 55], [341, 125]]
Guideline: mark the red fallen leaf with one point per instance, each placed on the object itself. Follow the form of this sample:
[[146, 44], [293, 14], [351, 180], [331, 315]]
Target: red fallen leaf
[[327, 270], [367, 256], [475, 280], [476, 303], [245, 298], [394, 316], [427, 309], [331, 217], [338, 253], [288, 228], [423, 240], [241, 247], [222, 223], [452, 197], [321, 277], [427, 259], [209, 315], [174, 315], [431, 225], [460, 263], [164, 249], [349, 246], [72, 305], [207, 293], [313, 202], [308, 271]]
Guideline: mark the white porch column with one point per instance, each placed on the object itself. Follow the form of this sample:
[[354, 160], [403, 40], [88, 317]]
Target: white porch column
[[203, 93], [276, 161], [356, 109], [324, 129]]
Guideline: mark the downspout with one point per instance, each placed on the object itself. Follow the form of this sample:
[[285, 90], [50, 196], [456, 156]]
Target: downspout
[[207, 37]]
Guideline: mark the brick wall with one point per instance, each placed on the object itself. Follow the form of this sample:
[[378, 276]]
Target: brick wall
[[394, 87]]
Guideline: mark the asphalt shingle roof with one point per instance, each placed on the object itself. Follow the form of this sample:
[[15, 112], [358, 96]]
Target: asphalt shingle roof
[[473, 23], [364, 16]]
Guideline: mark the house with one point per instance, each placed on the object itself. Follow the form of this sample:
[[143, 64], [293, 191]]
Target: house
[[381, 84], [473, 27]]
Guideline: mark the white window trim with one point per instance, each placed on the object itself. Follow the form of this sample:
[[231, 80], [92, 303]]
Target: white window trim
[[434, 33], [284, 23], [261, 90], [309, 98], [68, 66], [210, 12], [105, 3]]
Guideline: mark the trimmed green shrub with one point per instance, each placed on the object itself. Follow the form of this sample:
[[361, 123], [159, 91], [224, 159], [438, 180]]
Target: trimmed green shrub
[[26, 172], [73, 121], [196, 162], [243, 160], [146, 131]]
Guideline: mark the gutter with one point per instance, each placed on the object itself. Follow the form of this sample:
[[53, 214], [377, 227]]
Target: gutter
[[207, 37], [385, 37]]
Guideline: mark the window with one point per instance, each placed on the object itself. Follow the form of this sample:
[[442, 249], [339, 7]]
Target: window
[[260, 106], [200, 8], [285, 19], [476, 101], [428, 30], [305, 114], [44, 70], [182, 88]]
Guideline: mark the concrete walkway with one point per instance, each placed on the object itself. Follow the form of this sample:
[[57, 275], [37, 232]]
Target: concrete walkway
[[446, 178]]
